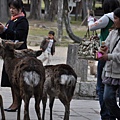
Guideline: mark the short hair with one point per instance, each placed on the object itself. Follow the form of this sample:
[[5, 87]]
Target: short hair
[[51, 32], [18, 4], [117, 12], [110, 5]]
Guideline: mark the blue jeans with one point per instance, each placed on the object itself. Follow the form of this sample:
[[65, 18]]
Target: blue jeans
[[110, 99], [100, 90]]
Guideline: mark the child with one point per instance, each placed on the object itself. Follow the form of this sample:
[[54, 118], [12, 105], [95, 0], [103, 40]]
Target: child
[[48, 47]]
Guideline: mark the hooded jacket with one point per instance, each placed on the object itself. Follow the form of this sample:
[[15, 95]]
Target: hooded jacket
[[112, 66]]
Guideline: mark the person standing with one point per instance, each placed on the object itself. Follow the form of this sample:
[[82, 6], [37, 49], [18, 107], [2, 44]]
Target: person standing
[[111, 54], [15, 30], [48, 47], [104, 23]]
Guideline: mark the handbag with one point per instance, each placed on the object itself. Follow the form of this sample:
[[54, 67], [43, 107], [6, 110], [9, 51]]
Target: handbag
[[88, 47]]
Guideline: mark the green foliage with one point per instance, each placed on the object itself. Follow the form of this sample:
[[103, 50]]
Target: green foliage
[[38, 31], [98, 5]]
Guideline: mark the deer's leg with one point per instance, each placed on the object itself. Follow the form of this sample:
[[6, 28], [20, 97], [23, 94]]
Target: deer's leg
[[26, 107], [2, 109], [51, 102], [19, 108], [38, 98], [15, 99], [44, 101], [66, 103]]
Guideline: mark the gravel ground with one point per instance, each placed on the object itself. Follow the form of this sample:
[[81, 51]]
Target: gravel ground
[[59, 57]]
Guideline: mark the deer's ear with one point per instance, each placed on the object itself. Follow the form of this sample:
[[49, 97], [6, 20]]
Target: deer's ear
[[38, 53], [18, 44], [3, 43]]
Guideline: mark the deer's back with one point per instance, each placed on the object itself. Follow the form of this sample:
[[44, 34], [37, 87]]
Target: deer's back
[[59, 78], [29, 73]]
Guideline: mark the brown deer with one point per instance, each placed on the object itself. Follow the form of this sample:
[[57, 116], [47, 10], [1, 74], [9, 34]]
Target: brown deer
[[27, 76], [60, 82], [2, 110]]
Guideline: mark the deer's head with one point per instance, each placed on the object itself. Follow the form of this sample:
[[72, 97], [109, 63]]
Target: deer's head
[[7, 45], [10, 45]]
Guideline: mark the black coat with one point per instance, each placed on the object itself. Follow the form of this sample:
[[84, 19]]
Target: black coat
[[16, 30]]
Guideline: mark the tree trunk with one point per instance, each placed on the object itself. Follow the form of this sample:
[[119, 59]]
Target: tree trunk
[[78, 9], [3, 11], [35, 10], [47, 5], [60, 20], [53, 10], [84, 16], [67, 23]]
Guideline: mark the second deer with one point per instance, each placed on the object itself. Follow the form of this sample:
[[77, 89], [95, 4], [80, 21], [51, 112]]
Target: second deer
[[60, 82]]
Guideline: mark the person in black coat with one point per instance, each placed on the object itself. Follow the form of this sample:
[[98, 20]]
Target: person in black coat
[[16, 29]]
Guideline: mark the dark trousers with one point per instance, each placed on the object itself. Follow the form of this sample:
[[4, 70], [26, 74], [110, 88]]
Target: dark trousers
[[110, 99], [100, 90]]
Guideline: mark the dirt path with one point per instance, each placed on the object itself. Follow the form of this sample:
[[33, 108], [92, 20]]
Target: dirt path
[[59, 57]]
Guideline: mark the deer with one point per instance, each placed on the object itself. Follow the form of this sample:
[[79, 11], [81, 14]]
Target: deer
[[60, 82], [26, 75], [2, 109]]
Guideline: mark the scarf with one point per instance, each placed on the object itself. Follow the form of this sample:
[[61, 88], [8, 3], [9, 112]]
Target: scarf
[[17, 16]]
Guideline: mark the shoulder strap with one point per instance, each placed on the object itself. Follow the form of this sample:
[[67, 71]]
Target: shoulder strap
[[115, 45]]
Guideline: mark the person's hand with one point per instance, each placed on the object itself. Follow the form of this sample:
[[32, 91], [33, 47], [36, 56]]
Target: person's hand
[[104, 57], [90, 18], [103, 49], [41, 49], [1, 27]]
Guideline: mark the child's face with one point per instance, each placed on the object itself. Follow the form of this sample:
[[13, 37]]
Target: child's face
[[50, 36]]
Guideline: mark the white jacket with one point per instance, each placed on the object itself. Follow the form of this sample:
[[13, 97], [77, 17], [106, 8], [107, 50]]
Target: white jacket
[[112, 66], [100, 23]]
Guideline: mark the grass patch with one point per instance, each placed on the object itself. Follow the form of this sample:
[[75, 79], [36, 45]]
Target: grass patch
[[37, 32]]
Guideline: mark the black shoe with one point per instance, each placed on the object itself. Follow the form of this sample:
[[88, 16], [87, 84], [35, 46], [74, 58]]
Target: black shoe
[[10, 110]]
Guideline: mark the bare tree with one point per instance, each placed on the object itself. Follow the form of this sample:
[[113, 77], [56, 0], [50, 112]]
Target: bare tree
[[3, 10], [67, 23], [51, 7], [78, 9], [47, 6], [35, 9], [84, 12], [60, 19], [53, 10]]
